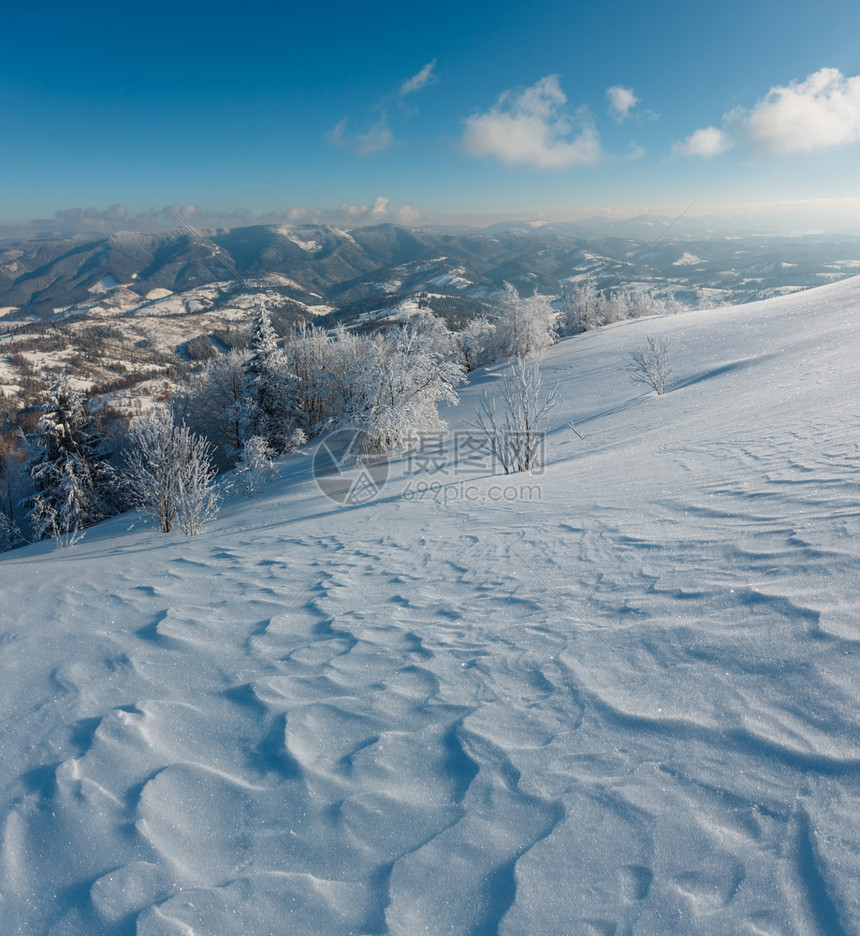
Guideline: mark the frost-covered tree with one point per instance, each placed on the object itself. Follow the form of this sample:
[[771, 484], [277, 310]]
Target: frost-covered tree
[[510, 424], [265, 398], [210, 404], [386, 386], [581, 308], [66, 515], [618, 305], [72, 479], [402, 380], [199, 499], [315, 364], [10, 534], [170, 473], [525, 326], [476, 343], [584, 308], [434, 334]]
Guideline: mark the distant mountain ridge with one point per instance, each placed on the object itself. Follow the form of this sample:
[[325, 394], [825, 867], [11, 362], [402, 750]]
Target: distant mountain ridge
[[325, 264], [329, 266]]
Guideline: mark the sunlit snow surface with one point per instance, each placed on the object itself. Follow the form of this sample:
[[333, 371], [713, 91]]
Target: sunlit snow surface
[[626, 702]]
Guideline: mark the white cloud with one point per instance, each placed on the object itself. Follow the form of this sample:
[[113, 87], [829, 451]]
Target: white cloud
[[377, 138], [358, 215], [706, 142], [531, 128], [337, 135], [117, 218], [407, 214], [379, 135], [419, 81], [621, 101], [821, 112], [817, 113]]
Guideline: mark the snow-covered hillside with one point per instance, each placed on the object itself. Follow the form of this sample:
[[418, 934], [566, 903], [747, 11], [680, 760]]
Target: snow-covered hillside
[[619, 697]]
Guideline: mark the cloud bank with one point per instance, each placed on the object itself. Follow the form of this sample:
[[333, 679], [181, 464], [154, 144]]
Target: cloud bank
[[818, 113], [531, 128], [70, 221]]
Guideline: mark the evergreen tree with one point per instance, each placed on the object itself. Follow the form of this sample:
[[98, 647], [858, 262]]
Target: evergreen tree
[[13, 483], [265, 412], [70, 473]]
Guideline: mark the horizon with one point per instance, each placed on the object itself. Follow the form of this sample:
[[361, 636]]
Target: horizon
[[798, 220], [466, 117]]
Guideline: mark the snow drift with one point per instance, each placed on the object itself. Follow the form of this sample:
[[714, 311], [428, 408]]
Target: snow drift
[[620, 696]]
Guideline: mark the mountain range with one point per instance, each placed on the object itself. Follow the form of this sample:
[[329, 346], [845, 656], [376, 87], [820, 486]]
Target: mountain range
[[113, 308], [330, 266]]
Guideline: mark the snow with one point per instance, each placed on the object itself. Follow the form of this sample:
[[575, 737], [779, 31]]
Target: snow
[[160, 292], [687, 259], [453, 279], [619, 696], [105, 285], [291, 234]]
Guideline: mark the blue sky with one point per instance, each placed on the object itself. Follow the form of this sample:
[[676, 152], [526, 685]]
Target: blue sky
[[451, 112]]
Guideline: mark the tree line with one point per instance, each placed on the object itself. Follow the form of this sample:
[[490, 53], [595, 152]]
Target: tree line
[[247, 407]]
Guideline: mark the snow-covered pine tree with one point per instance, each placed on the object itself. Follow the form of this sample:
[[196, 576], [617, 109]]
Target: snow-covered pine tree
[[71, 476], [266, 410], [14, 481]]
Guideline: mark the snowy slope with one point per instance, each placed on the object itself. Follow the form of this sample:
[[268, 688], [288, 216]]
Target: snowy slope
[[619, 697]]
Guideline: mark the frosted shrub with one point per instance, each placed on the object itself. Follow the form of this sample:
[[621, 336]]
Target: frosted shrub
[[512, 430], [255, 466], [296, 440], [170, 474], [649, 364]]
